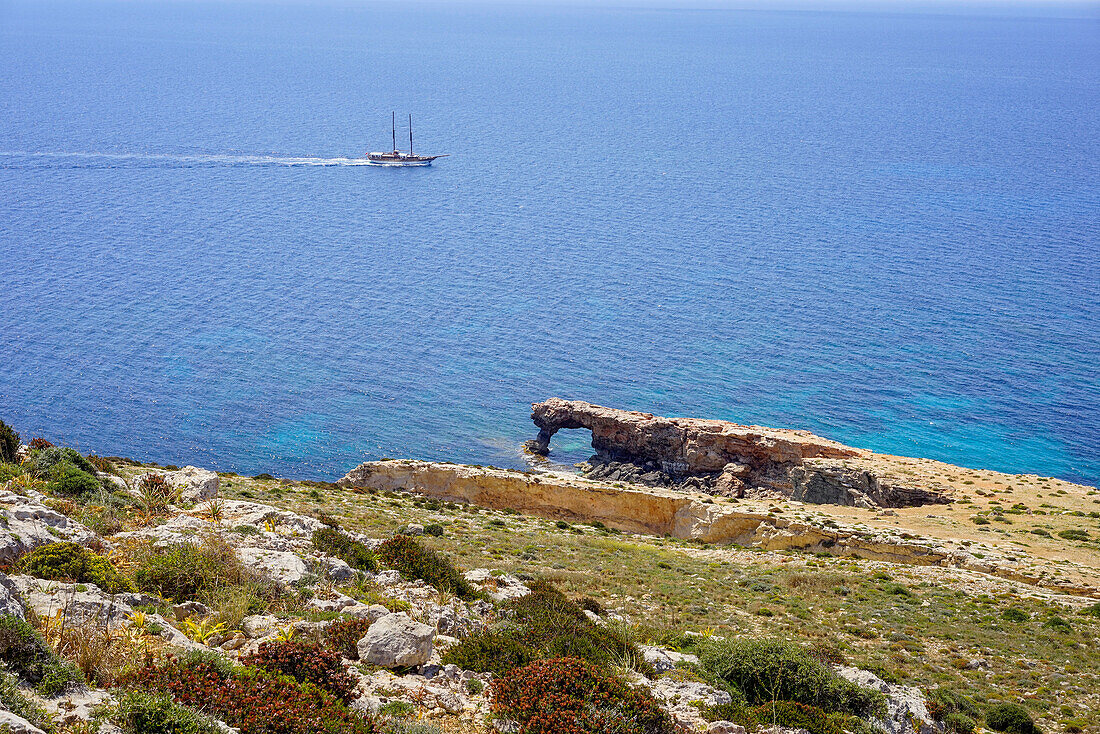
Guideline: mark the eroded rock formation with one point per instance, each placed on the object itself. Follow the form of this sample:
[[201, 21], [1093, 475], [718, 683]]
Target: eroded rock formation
[[719, 457]]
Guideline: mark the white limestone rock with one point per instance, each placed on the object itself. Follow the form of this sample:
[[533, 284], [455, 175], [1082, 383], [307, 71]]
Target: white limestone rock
[[683, 699], [194, 484], [259, 625], [26, 523], [500, 588], [13, 724], [395, 640], [283, 567], [904, 704], [10, 600], [663, 659]]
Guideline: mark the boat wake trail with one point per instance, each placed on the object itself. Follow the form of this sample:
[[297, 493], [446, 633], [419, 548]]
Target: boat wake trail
[[22, 159]]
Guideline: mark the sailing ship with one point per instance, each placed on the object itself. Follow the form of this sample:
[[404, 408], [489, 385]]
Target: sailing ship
[[396, 157]]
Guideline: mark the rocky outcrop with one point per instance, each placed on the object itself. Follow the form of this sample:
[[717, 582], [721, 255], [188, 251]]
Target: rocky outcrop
[[13, 724], [687, 453], [838, 483], [10, 600], [906, 708], [26, 522], [192, 483], [679, 445], [637, 510], [397, 641]]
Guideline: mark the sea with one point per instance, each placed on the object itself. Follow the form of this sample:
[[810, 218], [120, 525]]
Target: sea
[[877, 222]]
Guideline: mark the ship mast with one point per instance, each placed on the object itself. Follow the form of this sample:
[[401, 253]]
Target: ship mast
[[410, 134], [394, 131]]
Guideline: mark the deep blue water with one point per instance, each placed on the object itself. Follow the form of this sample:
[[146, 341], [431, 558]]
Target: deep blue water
[[880, 226]]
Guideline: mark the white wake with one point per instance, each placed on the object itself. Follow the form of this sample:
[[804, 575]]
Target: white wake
[[24, 159]]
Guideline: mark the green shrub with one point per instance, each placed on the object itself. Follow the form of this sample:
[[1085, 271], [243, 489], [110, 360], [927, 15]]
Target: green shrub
[[75, 564], [768, 670], [571, 696], [333, 542], [68, 479], [1012, 614], [9, 443], [1093, 610], [956, 723], [1058, 625], [489, 652], [415, 561], [139, 712], [184, 571], [553, 626], [45, 460], [943, 701], [27, 655], [12, 699], [434, 529], [1011, 718], [1075, 534]]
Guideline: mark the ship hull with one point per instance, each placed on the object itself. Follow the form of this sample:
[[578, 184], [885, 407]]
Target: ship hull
[[403, 160]]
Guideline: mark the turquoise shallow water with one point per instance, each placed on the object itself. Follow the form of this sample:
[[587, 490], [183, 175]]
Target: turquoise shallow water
[[880, 226]]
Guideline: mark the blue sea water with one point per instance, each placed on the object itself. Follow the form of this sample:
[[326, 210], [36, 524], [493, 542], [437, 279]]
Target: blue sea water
[[880, 224]]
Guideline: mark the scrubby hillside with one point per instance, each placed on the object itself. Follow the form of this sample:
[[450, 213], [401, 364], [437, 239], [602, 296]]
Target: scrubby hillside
[[153, 599]]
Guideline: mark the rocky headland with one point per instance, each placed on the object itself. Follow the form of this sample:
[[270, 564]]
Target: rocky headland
[[723, 458]]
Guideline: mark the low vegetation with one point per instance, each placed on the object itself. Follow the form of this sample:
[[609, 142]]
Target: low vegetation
[[74, 563], [26, 654], [572, 696], [331, 541], [251, 699], [413, 560]]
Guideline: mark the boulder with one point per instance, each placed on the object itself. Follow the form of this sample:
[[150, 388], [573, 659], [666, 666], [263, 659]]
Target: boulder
[[684, 698], [500, 588], [283, 567], [13, 724], [906, 708], [26, 523], [10, 600], [724, 727], [194, 484], [663, 659], [824, 482], [395, 641], [259, 625]]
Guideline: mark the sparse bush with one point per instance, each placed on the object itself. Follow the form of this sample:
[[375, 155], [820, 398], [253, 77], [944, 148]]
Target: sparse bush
[[1012, 614], [9, 443], [183, 571], [75, 564], [343, 635], [415, 561], [489, 652], [12, 699], [26, 654], [139, 712], [253, 700], [553, 626], [100, 655], [1058, 625], [334, 542], [956, 723], [1011, 718], [944, 701], [571, 696], [1075, 534], [769, 670], [45, 460], [68, 479], [434, 529], [37, 444], [307, 662], [1093, 610], [102, 464]]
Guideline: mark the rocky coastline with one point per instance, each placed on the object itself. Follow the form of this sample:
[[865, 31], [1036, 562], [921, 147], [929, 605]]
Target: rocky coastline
[[123, 585]]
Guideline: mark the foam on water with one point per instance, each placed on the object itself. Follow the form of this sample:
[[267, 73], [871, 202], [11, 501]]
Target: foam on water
[[53, 159]]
